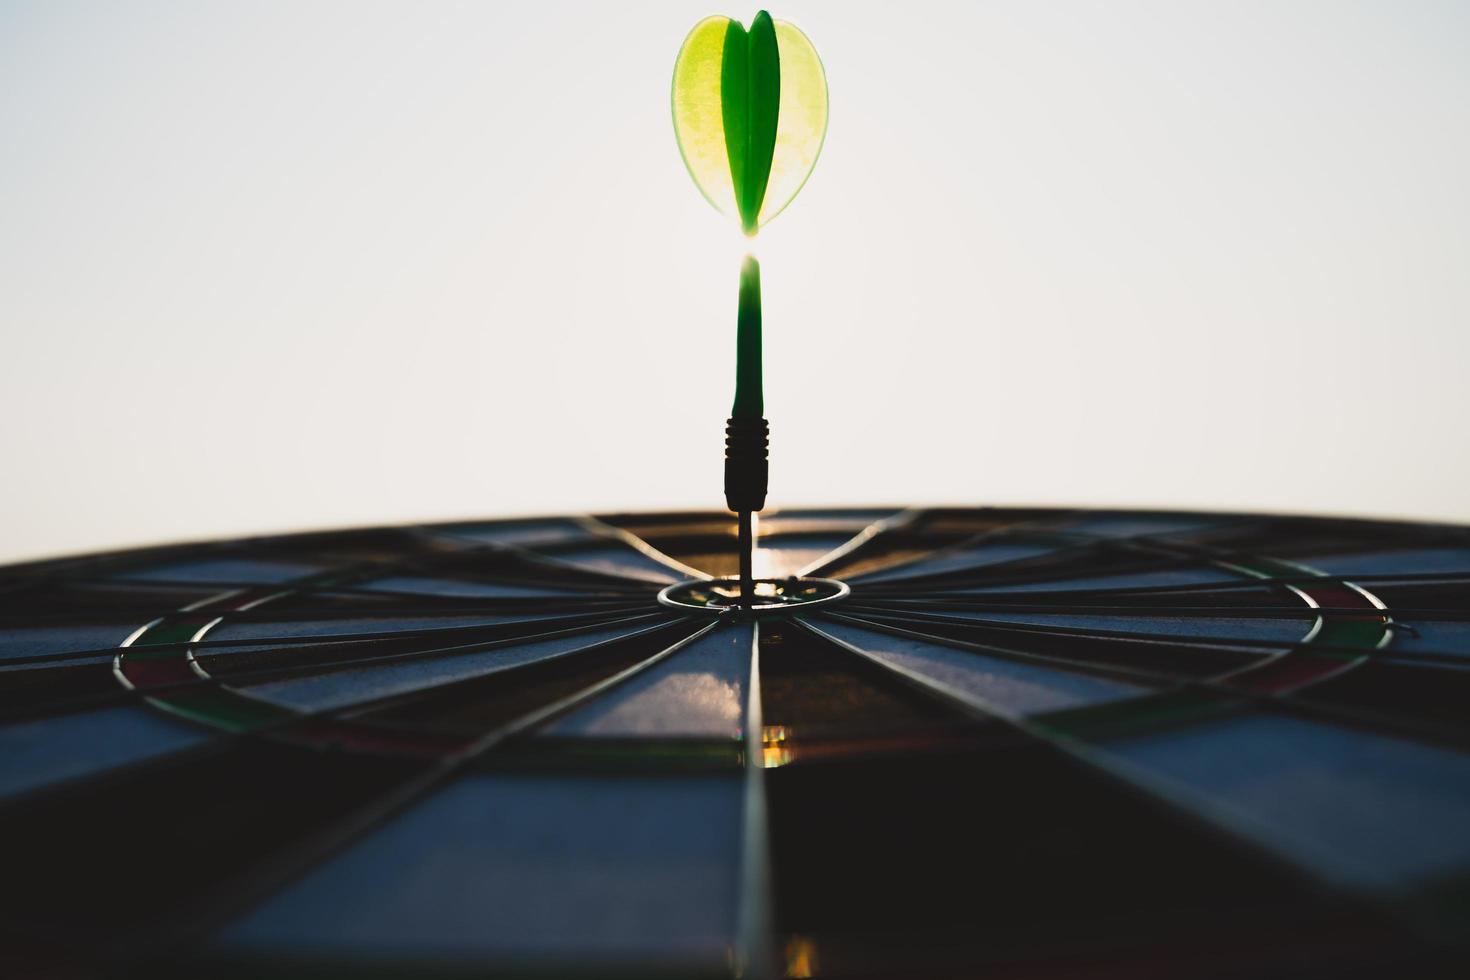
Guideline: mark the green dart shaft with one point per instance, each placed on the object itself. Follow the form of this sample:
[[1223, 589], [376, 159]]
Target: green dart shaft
[[745, 473], [749, 393]]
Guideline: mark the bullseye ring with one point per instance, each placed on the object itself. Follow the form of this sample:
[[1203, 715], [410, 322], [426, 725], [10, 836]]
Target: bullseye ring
[[773, 595]]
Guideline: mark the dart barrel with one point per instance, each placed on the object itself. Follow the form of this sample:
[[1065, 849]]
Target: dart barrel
[[747, 466]]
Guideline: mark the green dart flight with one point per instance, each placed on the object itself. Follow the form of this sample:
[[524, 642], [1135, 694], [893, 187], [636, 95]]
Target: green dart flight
[[750, 115]]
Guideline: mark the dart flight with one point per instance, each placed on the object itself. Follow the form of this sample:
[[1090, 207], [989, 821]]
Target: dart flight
[[750, 114]]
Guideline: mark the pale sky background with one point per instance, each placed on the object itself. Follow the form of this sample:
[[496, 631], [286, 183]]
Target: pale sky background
[[276, 266]]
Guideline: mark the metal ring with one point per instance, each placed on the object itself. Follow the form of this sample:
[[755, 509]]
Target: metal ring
[[774, 596]]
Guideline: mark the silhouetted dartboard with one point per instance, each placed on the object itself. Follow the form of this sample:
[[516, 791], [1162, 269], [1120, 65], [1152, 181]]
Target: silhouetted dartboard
[[997, 743]]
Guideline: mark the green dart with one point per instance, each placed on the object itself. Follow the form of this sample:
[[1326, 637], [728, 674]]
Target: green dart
[[750, 115]]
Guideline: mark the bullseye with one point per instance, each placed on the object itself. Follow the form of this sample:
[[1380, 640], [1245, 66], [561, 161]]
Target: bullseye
[[772, 595]]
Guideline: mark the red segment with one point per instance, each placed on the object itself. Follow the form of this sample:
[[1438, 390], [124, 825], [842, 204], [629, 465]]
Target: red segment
[[1289, 672], [1335, 595], [158, 673], [1340, 632]]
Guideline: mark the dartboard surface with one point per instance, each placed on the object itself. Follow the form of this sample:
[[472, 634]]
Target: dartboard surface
[[1033, 743]]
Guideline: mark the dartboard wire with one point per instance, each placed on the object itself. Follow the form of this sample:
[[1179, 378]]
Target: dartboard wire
[[1275, 675], [1244, 570], [1204, 641], [586, 578], [1039, 530], [589, 582], [436, 690], [131, 693], [1357, 655], [297, 860], [979, 603], [607, 614], [918, 516], [607, 585], [1217, 684], [1043, 530], [1127, 610], [431, 653], [1167, 685], [1267, 648], [101, 569], [755, 929], [600, 531], [447, 606], [1264, 570], [281, 727], [1136, 675], [1438, 578], [156, 695], [40, 661], [351, 713], [901, 519], [293, 716], [600, 527], [332, 579], [421, 604], [80, 569], [1145, 546], [1240, 828], [1045, 568]]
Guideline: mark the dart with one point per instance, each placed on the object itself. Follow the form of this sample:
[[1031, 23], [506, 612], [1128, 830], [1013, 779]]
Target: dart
[[750, 116]]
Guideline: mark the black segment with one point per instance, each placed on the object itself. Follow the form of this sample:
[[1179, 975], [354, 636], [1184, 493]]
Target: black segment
[[479, 705], [992, 858], [119, 860]]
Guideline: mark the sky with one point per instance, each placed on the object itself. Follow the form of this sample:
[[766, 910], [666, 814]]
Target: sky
[[288, 265]]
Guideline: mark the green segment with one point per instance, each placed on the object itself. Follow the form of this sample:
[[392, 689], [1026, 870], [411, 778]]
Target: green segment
[[224, 709], [1121, 718], [749, 393], [219, 707], [750, 101], [1352, 634]]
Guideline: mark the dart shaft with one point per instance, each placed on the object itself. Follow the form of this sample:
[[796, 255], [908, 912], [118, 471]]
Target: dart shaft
[[746, 430], [747, 545], [749, 390]]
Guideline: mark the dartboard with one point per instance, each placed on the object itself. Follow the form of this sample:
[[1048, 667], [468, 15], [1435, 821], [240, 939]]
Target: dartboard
[[950, 742]]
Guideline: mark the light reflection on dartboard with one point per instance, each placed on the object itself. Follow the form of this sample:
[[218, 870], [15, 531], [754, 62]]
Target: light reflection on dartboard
[[1028, 743]]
